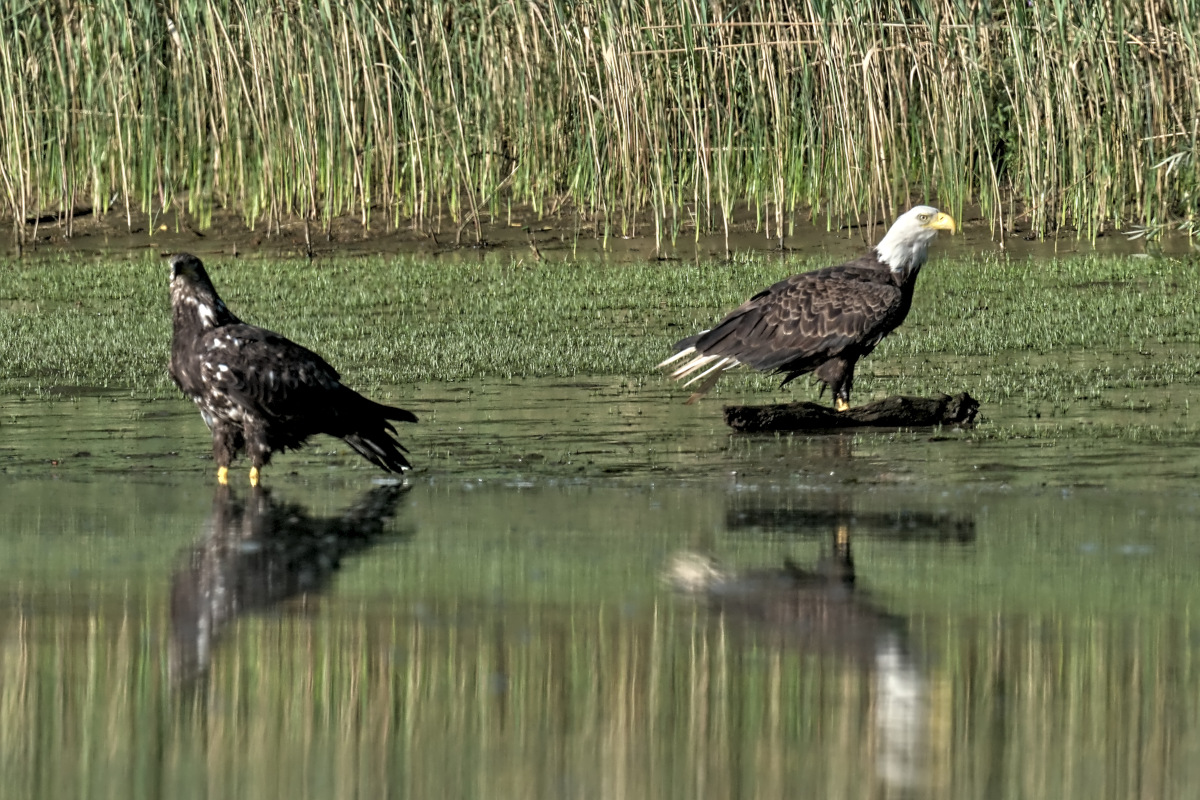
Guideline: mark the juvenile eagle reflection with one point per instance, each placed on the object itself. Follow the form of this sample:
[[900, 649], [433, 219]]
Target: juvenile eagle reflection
[[257, 553], [820, 611]]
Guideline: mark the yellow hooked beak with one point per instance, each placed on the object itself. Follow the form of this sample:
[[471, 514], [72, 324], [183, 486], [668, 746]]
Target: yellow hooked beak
[[944, 222]]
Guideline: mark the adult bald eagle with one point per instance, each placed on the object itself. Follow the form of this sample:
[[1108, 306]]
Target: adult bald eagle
[[259, 391], [822, 321]]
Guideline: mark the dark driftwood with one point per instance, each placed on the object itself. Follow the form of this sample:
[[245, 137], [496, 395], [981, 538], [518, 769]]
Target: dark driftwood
[[891, 412]]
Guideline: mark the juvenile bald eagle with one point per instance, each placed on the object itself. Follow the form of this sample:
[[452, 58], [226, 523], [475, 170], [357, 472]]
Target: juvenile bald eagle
[[822, 321], [261, 392]]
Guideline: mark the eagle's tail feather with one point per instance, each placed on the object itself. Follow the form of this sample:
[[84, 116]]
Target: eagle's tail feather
[[371, 437], [380, 449], [703, 388], [714, 368], [391, 412], [681, 354], [684, 347]]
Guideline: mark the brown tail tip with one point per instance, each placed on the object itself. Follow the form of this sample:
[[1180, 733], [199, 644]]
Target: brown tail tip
[[703, 388]]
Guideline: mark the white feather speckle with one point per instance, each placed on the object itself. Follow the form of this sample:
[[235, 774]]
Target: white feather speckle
[[205, 311]]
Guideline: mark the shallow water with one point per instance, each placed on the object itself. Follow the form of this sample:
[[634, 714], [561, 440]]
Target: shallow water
[[891, 614]]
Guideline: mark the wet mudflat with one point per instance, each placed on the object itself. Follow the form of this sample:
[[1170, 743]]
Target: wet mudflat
[[589, 590]]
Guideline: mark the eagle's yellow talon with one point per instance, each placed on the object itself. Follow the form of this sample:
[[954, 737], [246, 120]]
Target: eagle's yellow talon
[[840, 405], [254, 476], [223, 476]]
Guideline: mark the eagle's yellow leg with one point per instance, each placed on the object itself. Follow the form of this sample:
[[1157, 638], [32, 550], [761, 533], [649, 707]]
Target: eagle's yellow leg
[[223, 476], [840, 405], [254, 476]]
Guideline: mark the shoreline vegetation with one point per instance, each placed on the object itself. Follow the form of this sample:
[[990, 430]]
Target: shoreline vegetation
[[656, 117], [1124, 325]]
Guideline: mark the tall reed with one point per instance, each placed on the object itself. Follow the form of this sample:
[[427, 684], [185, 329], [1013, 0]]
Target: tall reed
[[1045, 114]]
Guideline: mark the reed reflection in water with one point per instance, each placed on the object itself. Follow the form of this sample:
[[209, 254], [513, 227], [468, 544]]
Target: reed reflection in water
[[411, 678]]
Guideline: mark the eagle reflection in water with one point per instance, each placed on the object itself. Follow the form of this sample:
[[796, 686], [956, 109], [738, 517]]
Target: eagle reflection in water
[[820, 611], [258, 552]]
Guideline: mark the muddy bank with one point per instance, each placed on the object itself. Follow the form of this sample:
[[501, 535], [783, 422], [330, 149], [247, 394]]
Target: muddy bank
[[562, 235]]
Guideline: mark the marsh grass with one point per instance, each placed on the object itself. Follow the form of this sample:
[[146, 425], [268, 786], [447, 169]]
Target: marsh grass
[[1007, 330], [1046, 114]]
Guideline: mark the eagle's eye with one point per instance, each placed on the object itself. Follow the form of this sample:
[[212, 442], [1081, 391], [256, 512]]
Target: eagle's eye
[[922, 218]]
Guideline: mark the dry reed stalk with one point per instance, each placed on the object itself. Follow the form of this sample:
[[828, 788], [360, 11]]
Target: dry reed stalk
[[1085, 116]]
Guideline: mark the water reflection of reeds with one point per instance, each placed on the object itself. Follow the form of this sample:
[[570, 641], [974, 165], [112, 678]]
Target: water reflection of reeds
[[460, 699], [445, 667]]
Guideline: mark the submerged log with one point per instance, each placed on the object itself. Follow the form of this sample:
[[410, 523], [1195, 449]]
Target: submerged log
[[891, 412]]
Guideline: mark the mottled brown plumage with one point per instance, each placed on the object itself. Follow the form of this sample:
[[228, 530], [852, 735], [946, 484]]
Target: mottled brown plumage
[[260, 391], [818, 322]]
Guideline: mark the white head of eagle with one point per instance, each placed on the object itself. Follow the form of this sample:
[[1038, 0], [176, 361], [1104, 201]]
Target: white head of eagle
[[193, 297], [906, 245]]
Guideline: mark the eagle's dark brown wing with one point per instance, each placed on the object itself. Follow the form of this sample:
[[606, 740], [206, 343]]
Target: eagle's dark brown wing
[[267, 374], [285, 393], [805, 320]]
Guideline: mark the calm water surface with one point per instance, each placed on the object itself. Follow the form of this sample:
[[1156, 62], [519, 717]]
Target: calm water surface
[[591, 591]]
